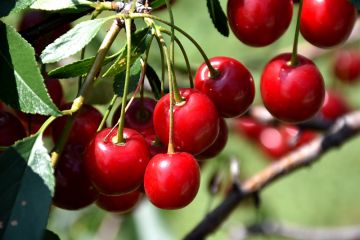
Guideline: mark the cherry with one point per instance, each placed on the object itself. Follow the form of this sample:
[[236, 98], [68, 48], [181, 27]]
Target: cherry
[[259, 22], [326, 23], [292, 93], [219, 144], [248, 127], [84, 127], [73, 189], [11, 129], [334, 106], [232, 90], [113, 168], [139, 116], [119, 203], [172, 181], [154, 144], [196, 121], [347, 65]]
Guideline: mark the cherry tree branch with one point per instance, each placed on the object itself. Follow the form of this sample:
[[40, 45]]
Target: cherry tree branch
[[269, 228], [341, 131]]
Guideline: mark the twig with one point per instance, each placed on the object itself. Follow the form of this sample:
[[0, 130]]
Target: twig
[[270, 228], [341, 131]]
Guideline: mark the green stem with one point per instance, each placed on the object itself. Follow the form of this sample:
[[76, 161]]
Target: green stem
[[294, 58], [187, 62], [162, 59], [107, 113], [120, 135], [91, 76], [212, 70], [172, 48]]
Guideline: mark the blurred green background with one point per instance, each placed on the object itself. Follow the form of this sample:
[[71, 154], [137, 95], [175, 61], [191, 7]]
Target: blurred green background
[[325, 194]]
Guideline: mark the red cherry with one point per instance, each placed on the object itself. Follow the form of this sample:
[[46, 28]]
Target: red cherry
[[326, 23], [273, 142], [113, 168], [139, 116], [154, 143], [73, 189], [172, 181], [292, 93], [219, 144], [248, 127], [232, 91], [119, 203], [196, 121], [259, 22], [347, 65], [84, 127], [11, 129], [334, 106]]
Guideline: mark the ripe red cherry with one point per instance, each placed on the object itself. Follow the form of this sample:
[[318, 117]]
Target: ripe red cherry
[[347, 65], [292, 93], [219, 144], [326, 23], [259, 22], [172, 181], [232, 91], [11, 129], [139, 116], [113, 168], [334, 106], [73, 189], [154, 143], [84, 127], [119, 203], [196, 121], [248, 127]]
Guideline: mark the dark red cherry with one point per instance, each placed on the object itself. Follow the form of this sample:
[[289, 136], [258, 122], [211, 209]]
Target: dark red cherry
[[347, 65], [73, 189], [172, 181], [232, 90], [259, 22], [139, 116], [292, 93], [119, 203], [219, 144], [327, 23], [84, 127], [196, 121], [154, 143], [334, 106], [11, 129], [117, 168]]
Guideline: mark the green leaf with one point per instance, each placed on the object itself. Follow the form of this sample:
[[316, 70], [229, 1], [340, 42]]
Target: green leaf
[[78, 68], [119, 81], [140, 41], [54, 5], [26, 186], [356, 3], [154, 81], [13, 6], [218, 16], [22, 86], [72, 41]]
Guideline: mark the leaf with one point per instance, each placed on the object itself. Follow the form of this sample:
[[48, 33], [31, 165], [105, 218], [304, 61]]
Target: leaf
[[54, 5], [72, 41], [13, 6], [154, 81], [50, 235], [356, 3], [119, 81], [26, 185], [218, 16], [78, 68], [140, 41], [157, 3], [22, 86]]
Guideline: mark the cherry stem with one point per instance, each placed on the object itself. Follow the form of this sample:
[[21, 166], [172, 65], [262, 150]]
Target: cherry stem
[[162, 66], [294, 58], [107, 113], [187, 62], [120, 134], [91, 76], [172, 51], [213, 72]]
